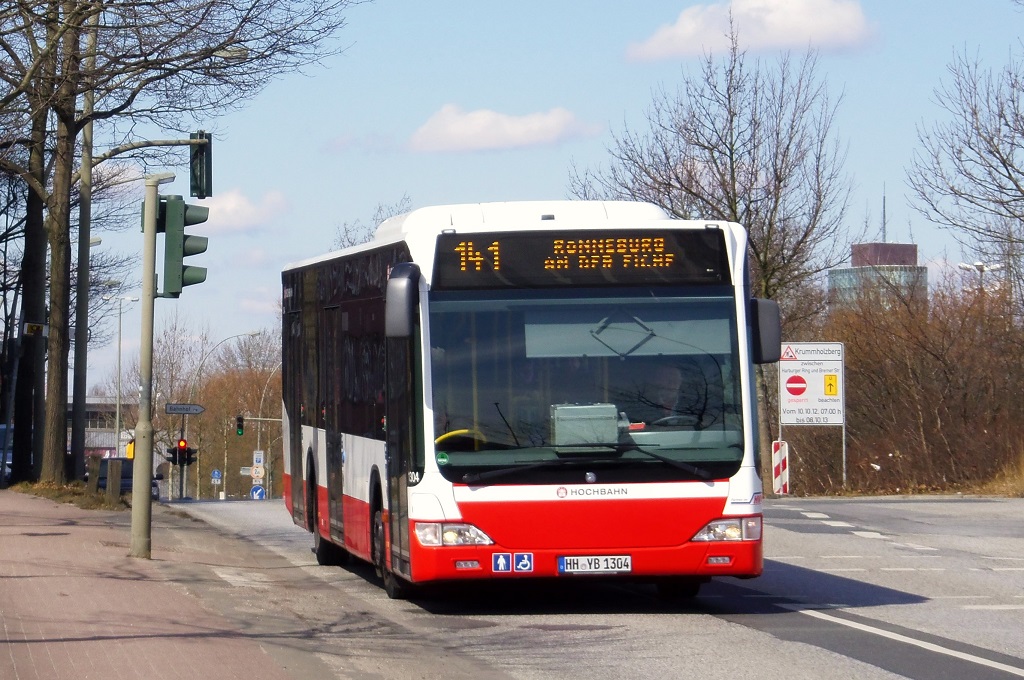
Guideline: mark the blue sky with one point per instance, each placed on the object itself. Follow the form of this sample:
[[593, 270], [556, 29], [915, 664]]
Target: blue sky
[[467, 101]]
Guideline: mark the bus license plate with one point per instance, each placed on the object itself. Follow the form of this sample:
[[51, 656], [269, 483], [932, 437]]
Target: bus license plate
[[595, 564]]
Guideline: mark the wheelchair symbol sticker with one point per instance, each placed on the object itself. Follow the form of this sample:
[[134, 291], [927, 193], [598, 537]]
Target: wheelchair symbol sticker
[[523, 562]]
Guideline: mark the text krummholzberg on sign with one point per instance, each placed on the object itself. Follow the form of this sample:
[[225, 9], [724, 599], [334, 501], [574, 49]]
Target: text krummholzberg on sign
[[811, 384]]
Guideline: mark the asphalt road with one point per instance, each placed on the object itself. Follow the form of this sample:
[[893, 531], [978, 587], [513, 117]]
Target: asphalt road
[[921, 587]]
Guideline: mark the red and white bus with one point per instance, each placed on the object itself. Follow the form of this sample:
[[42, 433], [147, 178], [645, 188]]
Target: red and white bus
[[529, 390]]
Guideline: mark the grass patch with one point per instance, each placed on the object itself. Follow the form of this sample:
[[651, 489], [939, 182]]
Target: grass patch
[[75, 493], [1009, 483]]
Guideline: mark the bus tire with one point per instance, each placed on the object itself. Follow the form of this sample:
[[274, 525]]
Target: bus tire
[[327, 554], [395, 587]]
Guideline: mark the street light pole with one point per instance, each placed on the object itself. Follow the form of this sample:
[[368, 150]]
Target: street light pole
[[981, 268], [259, 433], [117, 412]]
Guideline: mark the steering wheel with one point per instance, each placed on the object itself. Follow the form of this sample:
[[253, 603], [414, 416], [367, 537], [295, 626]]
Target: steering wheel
[[677, 421], [475, 434]]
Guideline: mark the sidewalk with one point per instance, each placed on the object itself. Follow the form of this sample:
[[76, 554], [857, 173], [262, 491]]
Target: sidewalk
[[73, 605]]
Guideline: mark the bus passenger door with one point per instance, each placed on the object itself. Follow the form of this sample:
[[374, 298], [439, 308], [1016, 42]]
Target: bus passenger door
[[333, 330], [404, 413], [292, 397], [400, 434]]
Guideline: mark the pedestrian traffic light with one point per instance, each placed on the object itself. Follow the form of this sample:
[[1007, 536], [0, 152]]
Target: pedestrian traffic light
[[174, 215], [239, 425]]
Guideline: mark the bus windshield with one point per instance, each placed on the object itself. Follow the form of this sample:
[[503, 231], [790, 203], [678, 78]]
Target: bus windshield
[[628, 384]]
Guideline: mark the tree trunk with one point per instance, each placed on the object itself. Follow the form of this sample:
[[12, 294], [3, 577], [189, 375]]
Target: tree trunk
[[55, 441], [29, 392]]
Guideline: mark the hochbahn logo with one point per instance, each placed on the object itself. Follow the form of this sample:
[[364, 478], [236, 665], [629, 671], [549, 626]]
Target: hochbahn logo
[[589, 491]]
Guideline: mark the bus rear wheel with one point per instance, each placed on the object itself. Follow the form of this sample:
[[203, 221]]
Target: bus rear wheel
[[327, 554], [396, 587]]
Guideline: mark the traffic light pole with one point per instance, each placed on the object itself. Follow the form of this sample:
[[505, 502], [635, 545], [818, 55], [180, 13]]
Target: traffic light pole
[[142, 479]]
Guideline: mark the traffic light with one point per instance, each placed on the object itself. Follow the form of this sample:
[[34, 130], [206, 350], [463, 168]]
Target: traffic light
[[200, 167], [174, 215], [190, 456], [182, 452], [172, 455], [239, 425]]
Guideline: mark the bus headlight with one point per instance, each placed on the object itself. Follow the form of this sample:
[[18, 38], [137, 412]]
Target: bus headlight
[[733, 529], [438, 534]]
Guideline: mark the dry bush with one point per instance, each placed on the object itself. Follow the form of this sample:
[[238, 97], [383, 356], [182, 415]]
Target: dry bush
[[933, 395]]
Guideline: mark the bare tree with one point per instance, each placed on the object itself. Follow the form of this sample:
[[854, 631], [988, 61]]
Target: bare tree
[[166, 62], [968, 176], [357, 232], [745, 143]]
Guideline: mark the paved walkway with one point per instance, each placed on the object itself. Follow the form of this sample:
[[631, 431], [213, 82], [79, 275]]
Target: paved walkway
[[74, 605]]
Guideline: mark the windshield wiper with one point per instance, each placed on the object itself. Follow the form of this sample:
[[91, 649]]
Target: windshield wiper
[[681, 464], [488, 475]]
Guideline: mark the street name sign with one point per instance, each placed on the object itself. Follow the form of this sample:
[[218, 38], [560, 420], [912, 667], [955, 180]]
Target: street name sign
[[183, 409]]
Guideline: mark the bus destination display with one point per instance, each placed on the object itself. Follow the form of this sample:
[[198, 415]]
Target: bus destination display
[[579, 258]]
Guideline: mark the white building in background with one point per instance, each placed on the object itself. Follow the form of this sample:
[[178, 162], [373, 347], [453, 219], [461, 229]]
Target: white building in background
[[100, 438]]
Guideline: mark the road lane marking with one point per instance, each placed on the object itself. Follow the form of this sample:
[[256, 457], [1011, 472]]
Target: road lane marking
[[994, 607], [931, 647], [959, 597], [867, 534], [814, 515], [836, 523]]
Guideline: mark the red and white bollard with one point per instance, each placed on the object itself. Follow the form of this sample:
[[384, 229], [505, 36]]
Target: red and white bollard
[[780, 468]]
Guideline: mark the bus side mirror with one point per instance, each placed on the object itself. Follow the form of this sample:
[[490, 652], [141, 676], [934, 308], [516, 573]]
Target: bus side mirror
[[403, 292], [766, 329]]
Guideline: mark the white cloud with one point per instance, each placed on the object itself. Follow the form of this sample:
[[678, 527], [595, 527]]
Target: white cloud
[[233, 211], [761, 25], [453, 129]]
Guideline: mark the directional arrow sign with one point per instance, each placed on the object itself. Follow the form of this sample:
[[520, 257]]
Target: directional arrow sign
[[183, 409]]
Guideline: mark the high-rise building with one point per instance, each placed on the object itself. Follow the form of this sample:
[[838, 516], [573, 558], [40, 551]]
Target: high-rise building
[[886, 271]]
